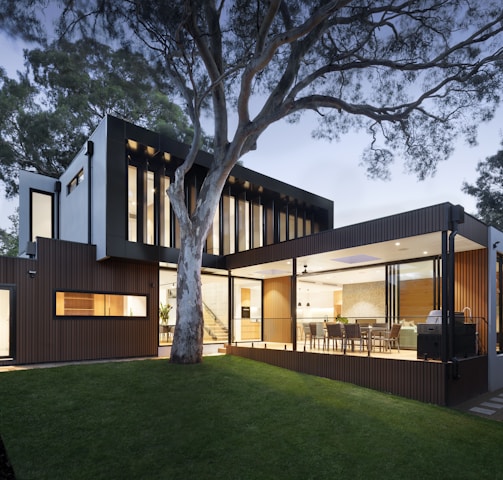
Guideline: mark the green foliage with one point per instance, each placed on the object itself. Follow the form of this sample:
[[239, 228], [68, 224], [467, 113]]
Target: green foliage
[[164, 309], [9, 239], [47, 113], [488, 190], [413, 75], [229, 418]]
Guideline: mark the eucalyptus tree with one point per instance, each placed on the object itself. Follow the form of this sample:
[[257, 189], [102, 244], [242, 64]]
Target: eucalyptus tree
[[412, 75], [488, 190]]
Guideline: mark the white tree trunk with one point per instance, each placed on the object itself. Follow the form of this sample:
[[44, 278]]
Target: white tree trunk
[[188, 339]]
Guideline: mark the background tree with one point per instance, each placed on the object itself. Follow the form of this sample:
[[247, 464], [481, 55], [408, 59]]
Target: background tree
[[413, 74], [9, 238], [48, 112], [488, 190]]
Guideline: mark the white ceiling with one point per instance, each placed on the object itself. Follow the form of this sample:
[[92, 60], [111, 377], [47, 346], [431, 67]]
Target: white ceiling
[[422, 246]]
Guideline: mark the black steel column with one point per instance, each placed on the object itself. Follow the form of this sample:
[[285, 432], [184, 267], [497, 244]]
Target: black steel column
[[293, 303], [445, 296]]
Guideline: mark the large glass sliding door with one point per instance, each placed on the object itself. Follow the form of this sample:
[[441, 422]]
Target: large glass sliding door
[[247, 310], [215, 294], [413, 289]]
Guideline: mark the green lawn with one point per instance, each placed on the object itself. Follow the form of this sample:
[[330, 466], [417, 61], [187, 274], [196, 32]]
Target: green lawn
[[230, 418]]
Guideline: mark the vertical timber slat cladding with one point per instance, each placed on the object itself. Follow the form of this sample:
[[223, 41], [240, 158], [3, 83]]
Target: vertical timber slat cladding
[[471, 287], [415, 298], [67, 266], [423, 381], [277, 315]]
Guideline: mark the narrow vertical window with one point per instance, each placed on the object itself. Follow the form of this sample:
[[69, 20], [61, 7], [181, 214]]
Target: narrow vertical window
[[149, 227], [244, 225], [291, 224], [41, 215], [165, 213], [229, 224], [308, 226], [282, 226], [213, 240], [270, 224], [300, 224], [258, 227], [132, 204]]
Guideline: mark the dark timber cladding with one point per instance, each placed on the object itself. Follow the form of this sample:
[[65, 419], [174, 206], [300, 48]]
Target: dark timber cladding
[[418, 222], [432, 382], [67, 266]]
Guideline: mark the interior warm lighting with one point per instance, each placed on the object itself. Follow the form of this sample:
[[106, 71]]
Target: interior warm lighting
[[150, 151], [166, 156], [132, 145]]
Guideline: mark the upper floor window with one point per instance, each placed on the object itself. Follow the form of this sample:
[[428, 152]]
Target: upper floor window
[[41, 221], [75, 182], [248, 216]]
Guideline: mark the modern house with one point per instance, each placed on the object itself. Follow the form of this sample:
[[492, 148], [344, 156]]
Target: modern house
[[99, 253]]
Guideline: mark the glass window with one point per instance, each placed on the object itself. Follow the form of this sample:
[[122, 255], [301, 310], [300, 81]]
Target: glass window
[[229, 224], [244, 225], [258, 227], [41, 215], [308, 226], [291, 225], [213, 240], [75, 181], [416, 293], [132, 203], [269, 224], [215, 308], [149, 205], [247, 310], [300, 226], [5, 322], [80, 304], [165, 213], [282, 226]]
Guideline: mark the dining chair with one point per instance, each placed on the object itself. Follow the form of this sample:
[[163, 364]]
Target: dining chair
[[307, 335], [334, 332], [352, 333], [317, 332], [393, 337]]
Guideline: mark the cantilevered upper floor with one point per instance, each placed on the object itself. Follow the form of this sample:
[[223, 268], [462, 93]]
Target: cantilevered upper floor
[[113, 196]]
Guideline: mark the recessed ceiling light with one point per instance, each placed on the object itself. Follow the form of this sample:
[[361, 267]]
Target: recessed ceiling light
[[397, 244], [425, 253]]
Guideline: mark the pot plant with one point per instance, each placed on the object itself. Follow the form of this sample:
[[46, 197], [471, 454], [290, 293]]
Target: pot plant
[[164, 309]]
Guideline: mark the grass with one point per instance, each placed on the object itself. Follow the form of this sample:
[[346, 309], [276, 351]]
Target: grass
[[230, 418]]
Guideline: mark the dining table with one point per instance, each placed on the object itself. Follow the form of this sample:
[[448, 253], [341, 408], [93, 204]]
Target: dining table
[[374, 334]]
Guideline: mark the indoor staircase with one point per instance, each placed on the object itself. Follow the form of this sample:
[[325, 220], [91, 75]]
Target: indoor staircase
[[214, 329]]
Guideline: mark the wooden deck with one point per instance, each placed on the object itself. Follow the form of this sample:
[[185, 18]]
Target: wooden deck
[[399, 373]]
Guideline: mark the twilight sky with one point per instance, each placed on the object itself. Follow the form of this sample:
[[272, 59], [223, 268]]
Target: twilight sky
[[289, 153]]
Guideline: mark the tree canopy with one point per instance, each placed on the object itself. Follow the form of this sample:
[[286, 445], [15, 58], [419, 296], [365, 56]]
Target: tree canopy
[[488, 190], [413, 75], [49, 110]]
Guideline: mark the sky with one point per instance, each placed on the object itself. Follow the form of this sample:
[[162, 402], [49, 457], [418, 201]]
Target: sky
[[288, 153]]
